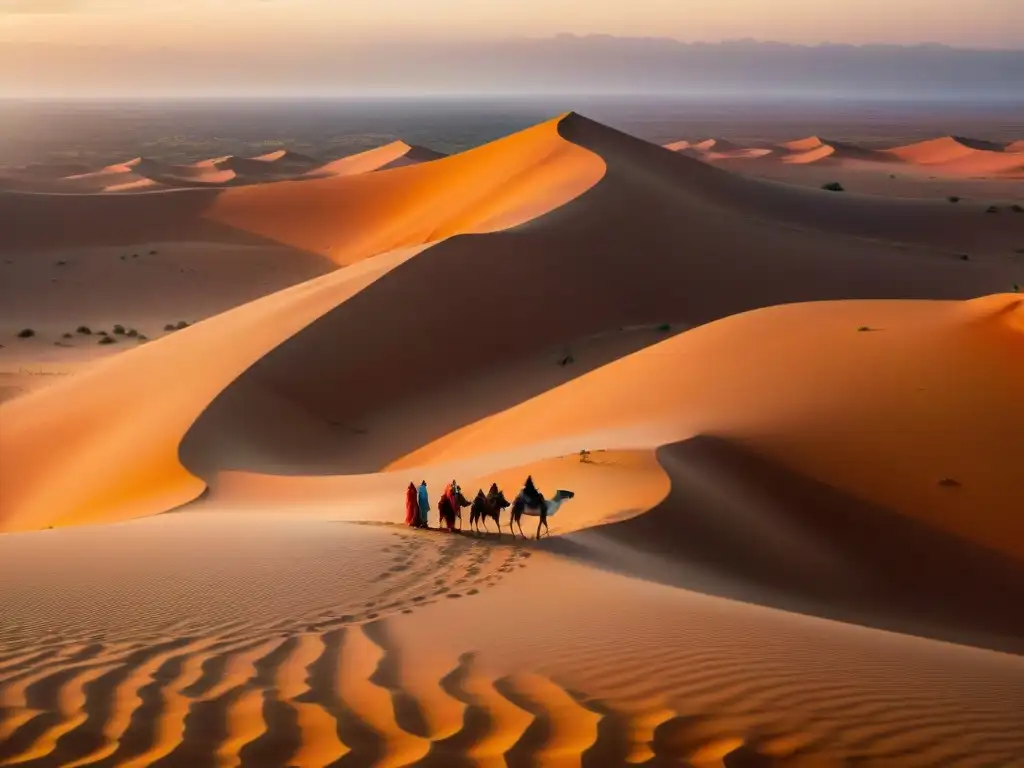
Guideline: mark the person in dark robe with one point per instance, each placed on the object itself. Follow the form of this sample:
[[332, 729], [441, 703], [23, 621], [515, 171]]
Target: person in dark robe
[[531, 495]]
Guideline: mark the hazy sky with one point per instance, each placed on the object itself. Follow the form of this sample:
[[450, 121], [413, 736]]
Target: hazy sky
[[184, 24]]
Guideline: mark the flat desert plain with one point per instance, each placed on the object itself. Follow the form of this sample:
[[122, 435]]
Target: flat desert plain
[[791, 418]]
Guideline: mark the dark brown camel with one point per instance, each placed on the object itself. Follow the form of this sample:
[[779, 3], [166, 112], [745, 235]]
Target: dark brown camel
[[485, 506], [449, 512]]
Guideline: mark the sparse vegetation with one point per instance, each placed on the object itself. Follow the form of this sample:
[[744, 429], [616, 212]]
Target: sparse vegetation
[[833, 186], [107, 340], [143, 337], [26, 333], [1017, 208], [131, 332], [152, 253], [1016, 287], [67, 336], [664, 328], [123, 257], [992, 209], [169, 327], [181, 324], [61, 263], [949, 482], [953, 199], [104, 333], [85, 330], [119, 329], [965, 257]]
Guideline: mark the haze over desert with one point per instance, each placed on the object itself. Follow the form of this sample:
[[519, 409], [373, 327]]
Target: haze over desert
[[748, 372]]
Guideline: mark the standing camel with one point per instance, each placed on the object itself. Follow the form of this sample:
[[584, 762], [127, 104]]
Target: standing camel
[[485, 506], [546, 509]]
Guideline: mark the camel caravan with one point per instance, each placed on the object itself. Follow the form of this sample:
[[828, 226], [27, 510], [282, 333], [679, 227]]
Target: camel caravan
[[529, 501]]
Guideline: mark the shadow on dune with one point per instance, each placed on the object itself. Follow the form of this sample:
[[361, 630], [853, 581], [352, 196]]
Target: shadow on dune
[[660, 237], [739, 526]]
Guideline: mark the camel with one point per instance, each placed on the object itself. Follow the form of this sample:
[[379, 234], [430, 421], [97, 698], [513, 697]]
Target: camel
[[449, 512], [489, 505], [546, 509]]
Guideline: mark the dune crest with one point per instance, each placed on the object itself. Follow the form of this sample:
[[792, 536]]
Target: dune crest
[[129, 466]]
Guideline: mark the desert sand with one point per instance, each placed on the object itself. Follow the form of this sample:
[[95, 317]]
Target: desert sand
[[790, 417]]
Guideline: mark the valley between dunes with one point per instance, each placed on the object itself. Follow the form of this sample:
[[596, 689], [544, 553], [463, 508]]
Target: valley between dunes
[[797, 536]]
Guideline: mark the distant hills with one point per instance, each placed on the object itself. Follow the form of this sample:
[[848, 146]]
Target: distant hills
[[565, 63]]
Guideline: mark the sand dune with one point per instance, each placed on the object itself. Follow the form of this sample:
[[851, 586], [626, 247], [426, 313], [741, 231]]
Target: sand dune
[[803, 428], [393, 155], [953, 156]]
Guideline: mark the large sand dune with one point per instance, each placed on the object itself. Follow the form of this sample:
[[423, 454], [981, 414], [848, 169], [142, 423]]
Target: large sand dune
[[799, 508]]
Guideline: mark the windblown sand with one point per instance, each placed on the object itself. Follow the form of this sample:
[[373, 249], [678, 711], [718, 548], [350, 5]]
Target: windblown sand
[[790, 417]]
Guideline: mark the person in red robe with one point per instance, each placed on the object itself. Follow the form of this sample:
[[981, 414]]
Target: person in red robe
[[412, 506]]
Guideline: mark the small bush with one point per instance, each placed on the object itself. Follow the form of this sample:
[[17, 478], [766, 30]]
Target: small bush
[[143, 337], [85, 330], [61, 263], [965, 257], [949, 482], [119, 329], [664, 328], [67, 336], [833, 186], [135, 255], [152, 253], [1017, 208], [123, 257], [181, 324], [26, 333], [131, 332], [104, 333], [953, 199], [169, 327], [107, 340], [864, 328], [992, 209], [1016, 287]]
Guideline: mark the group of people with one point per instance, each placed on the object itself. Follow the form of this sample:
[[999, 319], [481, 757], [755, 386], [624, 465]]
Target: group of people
[[417, 501]]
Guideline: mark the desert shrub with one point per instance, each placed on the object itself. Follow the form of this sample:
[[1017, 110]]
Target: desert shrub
[[131, 332], [107, 340], [85, 330], [833, 186], [143, 337], [152, 253], [181, 324], [67, 336], [169, 327], [953, 199], [1016, 287], [664, 327], [123, 257], [119, 329], [26, 333], [104, 333], [949, 482], [965, 257], [61, 263], [1017, 208], [864, 328], [992, 209]]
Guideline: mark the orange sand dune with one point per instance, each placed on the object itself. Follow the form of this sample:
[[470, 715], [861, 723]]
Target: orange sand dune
[[1014, 146], [490, 199], [393, 155], [956, 362], [777, 485], [953, 153], [486, 189]]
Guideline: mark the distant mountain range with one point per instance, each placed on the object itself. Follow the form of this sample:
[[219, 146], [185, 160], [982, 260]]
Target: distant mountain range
[[565, 63]]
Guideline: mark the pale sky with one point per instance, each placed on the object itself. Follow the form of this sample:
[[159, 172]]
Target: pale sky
[[182, 24]]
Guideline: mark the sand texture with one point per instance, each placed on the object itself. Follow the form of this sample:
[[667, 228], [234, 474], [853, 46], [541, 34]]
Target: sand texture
[[790, 418]]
